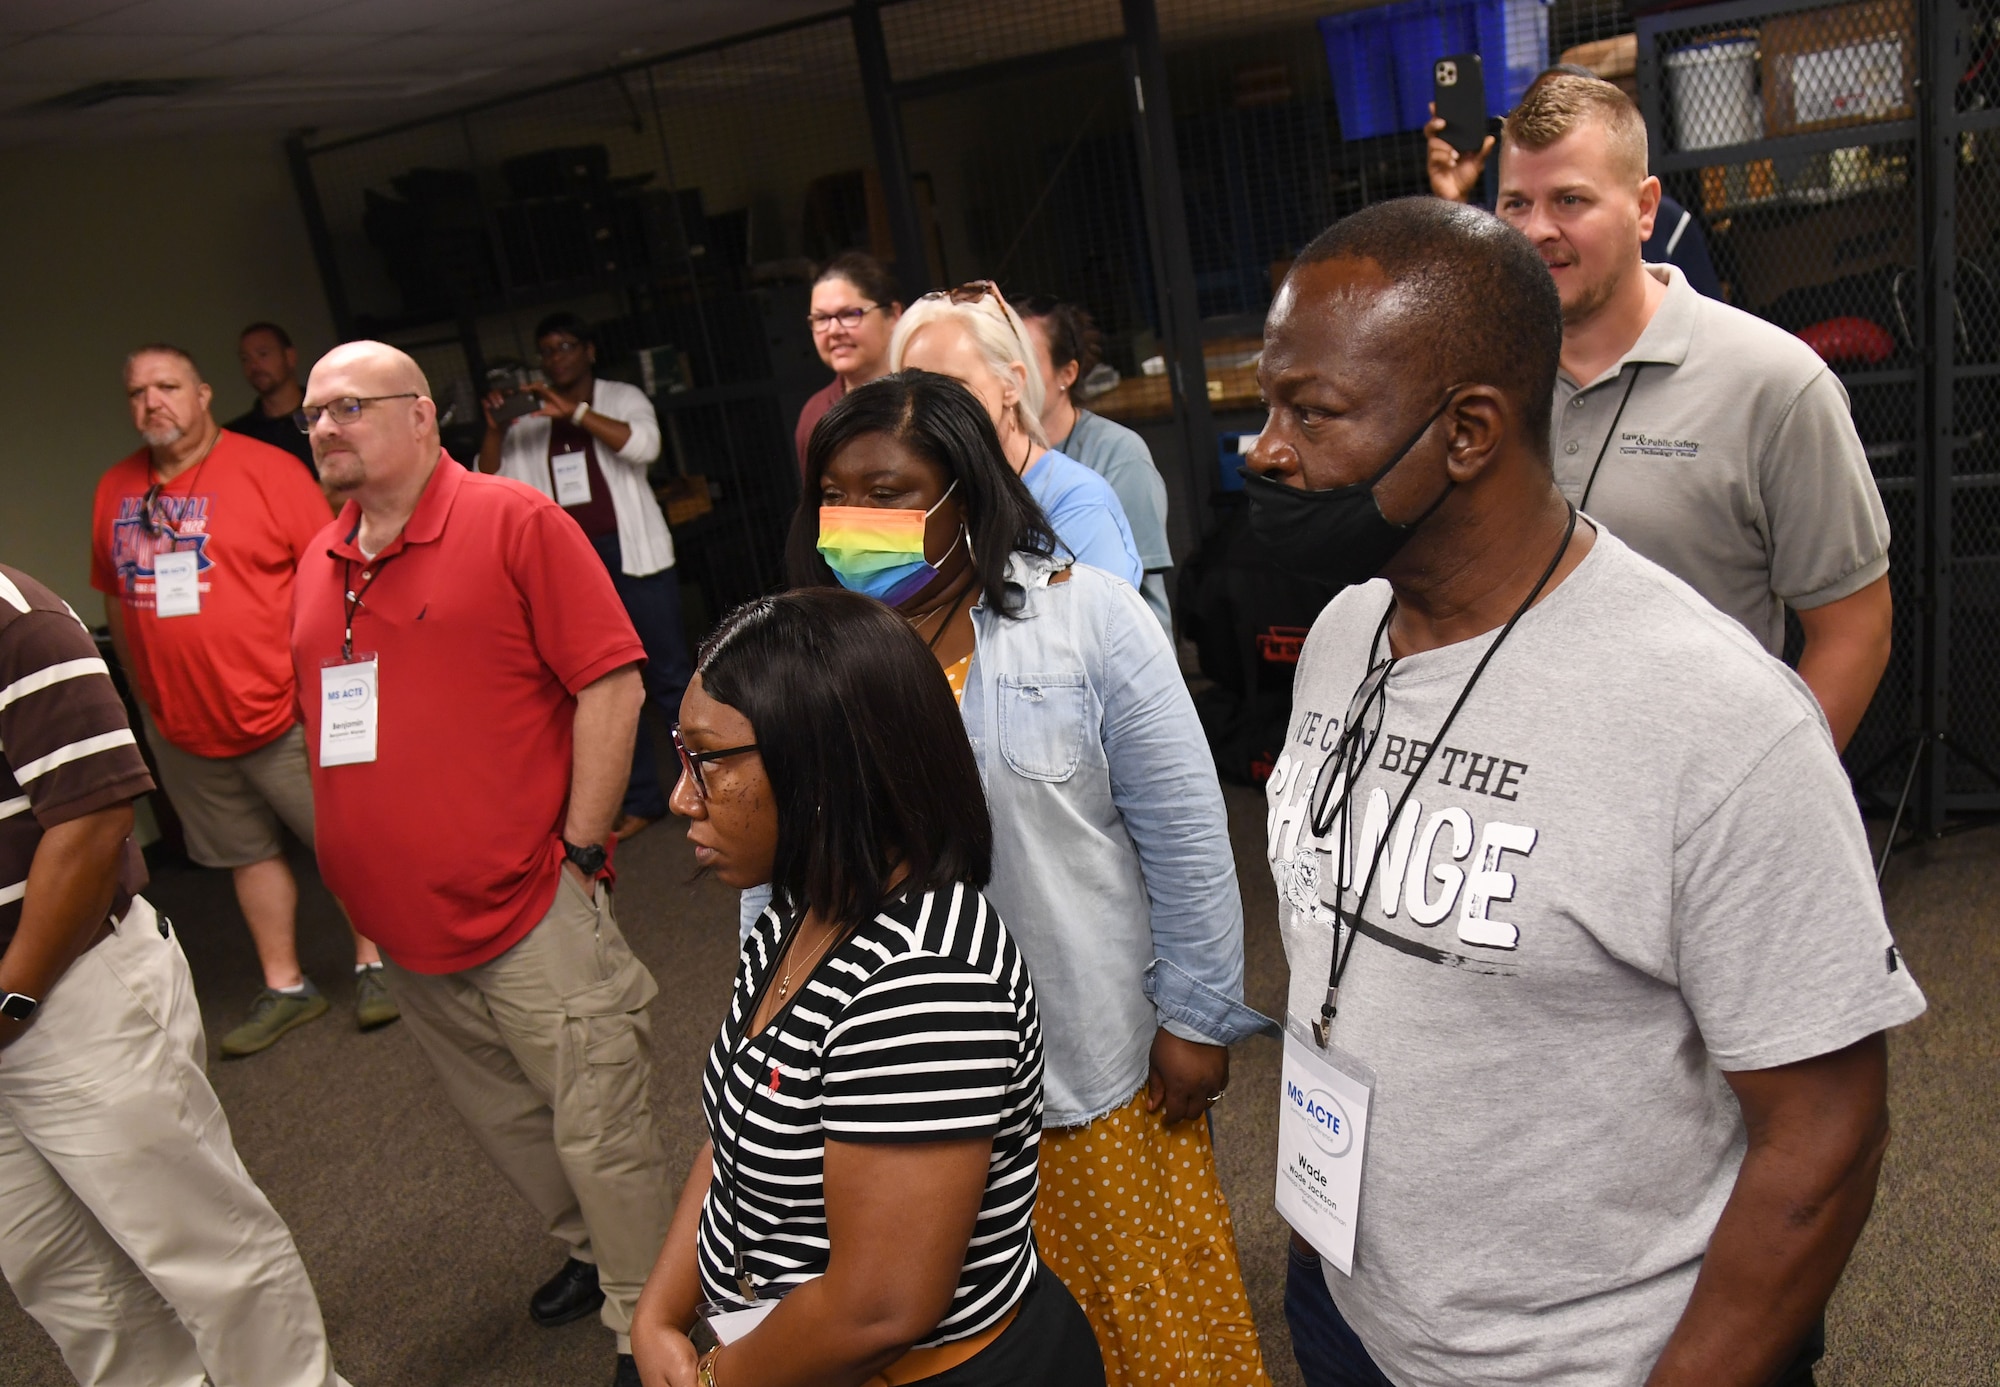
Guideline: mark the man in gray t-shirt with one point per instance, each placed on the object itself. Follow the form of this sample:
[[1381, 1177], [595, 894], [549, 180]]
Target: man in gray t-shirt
[[1617, 962]]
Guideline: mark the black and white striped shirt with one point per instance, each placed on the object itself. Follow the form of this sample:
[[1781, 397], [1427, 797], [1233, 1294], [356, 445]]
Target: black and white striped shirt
[[920, 1026], [65, 747]]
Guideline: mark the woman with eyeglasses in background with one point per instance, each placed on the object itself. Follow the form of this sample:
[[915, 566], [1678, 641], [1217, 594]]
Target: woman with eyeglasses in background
[[874, 1098], [854, 311], [1111, 856], [972, 335]]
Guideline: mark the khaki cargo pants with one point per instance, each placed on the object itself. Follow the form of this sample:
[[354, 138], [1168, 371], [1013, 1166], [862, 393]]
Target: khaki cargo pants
[[546, 1052], [128, 1227]]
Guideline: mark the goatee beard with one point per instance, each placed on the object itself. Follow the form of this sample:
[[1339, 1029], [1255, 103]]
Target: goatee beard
[[164, 438]]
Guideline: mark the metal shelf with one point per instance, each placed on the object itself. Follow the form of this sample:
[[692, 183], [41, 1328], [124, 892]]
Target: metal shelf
[[1782, 147]]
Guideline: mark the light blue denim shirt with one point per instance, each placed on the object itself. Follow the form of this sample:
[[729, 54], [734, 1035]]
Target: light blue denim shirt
[[1111, 858]]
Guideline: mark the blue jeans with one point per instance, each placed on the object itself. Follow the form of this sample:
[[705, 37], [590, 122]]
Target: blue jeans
[[1329, 1353], [654, 605]]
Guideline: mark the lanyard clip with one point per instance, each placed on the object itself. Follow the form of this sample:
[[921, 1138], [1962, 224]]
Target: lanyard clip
[[1323, 1026], [748, 1291]]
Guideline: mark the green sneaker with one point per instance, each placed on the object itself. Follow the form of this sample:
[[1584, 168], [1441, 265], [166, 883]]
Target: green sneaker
[[271, 1015], [373, 1006]]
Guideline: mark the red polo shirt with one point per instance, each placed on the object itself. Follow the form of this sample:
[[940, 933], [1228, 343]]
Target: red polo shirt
[[486, 616]]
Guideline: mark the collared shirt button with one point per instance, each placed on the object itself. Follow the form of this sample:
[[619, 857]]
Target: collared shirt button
[[1568, 447], [1576, 401], [366, 574]]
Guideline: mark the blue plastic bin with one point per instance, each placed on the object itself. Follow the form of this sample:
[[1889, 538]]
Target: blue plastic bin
[[1381, 58]]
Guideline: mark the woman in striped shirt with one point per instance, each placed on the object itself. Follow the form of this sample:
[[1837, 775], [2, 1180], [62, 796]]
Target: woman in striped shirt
[[863, 1210]]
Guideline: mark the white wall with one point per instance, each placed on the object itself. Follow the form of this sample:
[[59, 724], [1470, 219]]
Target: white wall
[[103, 247]]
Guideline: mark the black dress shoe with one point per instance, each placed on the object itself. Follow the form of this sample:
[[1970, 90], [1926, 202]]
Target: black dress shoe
[[627, 1374], [569, 1295]]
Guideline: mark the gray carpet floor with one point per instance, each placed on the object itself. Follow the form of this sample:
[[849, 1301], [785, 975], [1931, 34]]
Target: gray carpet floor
[[423, 1258]]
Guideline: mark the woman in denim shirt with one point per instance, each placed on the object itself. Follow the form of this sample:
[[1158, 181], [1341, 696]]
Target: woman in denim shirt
[[1111, 861]]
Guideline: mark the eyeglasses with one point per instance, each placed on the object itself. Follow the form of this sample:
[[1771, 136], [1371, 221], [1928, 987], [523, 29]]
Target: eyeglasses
[[970, 292], [849, 318], [561, 347], [1356, 744], [691, 761], [344, 410]]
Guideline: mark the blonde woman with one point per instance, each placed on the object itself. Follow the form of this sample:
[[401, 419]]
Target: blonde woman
[[972, 335]]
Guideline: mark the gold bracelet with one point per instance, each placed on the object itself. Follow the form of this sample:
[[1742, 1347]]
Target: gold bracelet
[[704, 1371]]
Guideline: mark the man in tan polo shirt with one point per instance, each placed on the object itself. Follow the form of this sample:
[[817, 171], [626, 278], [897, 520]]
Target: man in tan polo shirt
[[1715, 444]]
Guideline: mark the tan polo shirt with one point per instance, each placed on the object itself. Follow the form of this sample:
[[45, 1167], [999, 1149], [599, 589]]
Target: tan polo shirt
[[1735, 464]]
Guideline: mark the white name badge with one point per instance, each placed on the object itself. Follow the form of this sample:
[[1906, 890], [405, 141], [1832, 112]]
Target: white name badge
[[729, 1325], [572, 477], [348, 711], [1322, 1133], [176, 589]]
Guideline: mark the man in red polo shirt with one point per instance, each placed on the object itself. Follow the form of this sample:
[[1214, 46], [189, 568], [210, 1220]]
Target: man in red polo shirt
[[472, 689], [193, 544]]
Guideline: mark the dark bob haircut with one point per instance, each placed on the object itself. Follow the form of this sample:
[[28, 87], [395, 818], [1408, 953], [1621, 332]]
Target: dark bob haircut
[[941, 421], [862, 741], [866, 274]]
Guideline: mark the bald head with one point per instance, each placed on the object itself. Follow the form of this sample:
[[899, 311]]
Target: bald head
[[377, 424]]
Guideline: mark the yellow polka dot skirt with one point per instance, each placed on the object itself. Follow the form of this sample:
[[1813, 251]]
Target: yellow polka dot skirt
[[1131, 1217]]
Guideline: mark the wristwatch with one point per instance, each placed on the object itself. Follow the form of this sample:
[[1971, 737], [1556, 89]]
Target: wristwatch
[[16, 1006], [589, 861], [704, 1371], [576, 415]]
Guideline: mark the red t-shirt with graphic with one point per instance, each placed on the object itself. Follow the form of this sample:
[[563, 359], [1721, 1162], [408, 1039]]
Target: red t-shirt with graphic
[[219, 681]]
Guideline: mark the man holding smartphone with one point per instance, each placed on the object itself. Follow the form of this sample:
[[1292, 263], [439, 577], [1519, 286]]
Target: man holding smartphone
[[1716, 444], [587, 444]]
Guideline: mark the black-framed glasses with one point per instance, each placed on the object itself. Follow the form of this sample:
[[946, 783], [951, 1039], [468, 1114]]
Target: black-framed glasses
[[344, 410], [849, 318], [1357, 743], [692, 761]]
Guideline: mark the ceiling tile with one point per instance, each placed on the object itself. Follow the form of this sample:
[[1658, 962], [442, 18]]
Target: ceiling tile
[[261, 55], [219, 18], [388, 17], [76, 59], [32, 16]]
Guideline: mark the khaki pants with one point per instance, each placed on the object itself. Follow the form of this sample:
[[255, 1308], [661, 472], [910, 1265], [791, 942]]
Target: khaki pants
[[128, 1227], [546, 1052]]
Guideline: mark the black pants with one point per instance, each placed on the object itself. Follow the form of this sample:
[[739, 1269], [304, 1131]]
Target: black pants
[[1049, 1344], [654, 605], [1330, 1353]]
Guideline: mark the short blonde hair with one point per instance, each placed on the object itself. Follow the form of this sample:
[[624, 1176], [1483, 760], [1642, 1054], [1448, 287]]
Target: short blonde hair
[[1557, 102], [995, 328]]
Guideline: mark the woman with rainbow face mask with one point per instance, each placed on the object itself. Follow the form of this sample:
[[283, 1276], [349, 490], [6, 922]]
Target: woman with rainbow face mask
[[1111, 856]]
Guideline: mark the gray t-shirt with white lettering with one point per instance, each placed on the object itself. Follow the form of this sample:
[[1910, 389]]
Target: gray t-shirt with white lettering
[[1633, 864]]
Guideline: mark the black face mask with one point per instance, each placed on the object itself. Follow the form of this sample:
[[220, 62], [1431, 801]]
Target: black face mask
[[1337, 536]]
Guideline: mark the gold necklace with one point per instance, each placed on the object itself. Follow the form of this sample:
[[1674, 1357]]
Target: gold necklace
[[785, 984]]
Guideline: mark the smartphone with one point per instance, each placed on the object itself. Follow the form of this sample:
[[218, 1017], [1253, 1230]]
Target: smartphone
[[518, 404], [1458, 86]]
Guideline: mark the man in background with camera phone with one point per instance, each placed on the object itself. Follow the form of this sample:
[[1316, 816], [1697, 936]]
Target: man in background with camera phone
[[587, 444]]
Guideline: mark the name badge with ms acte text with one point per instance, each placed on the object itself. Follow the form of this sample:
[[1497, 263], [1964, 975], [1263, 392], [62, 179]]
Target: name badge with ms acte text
[[1322, 1133], [349, 710], [176, 588], [571, 474]]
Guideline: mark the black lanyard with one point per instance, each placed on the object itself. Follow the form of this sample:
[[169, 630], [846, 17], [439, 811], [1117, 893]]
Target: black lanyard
[[725, 1172], [1611, 433], [352, 598], [1353, 741]]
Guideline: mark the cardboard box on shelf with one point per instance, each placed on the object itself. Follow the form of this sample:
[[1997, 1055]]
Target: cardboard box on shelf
[[1775, 253], [1844, 65]]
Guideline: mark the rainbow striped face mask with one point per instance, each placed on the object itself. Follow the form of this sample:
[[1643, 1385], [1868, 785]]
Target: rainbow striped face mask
[[880, 551]]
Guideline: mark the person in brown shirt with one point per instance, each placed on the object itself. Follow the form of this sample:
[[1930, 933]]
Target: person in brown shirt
[[133, 1234]]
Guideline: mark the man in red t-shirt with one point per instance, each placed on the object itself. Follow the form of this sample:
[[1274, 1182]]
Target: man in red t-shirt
[[194, 544], [472, 690]]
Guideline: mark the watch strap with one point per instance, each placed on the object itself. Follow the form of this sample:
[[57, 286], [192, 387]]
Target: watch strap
[[583, 408], [704, 1372], [17, 1006]]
